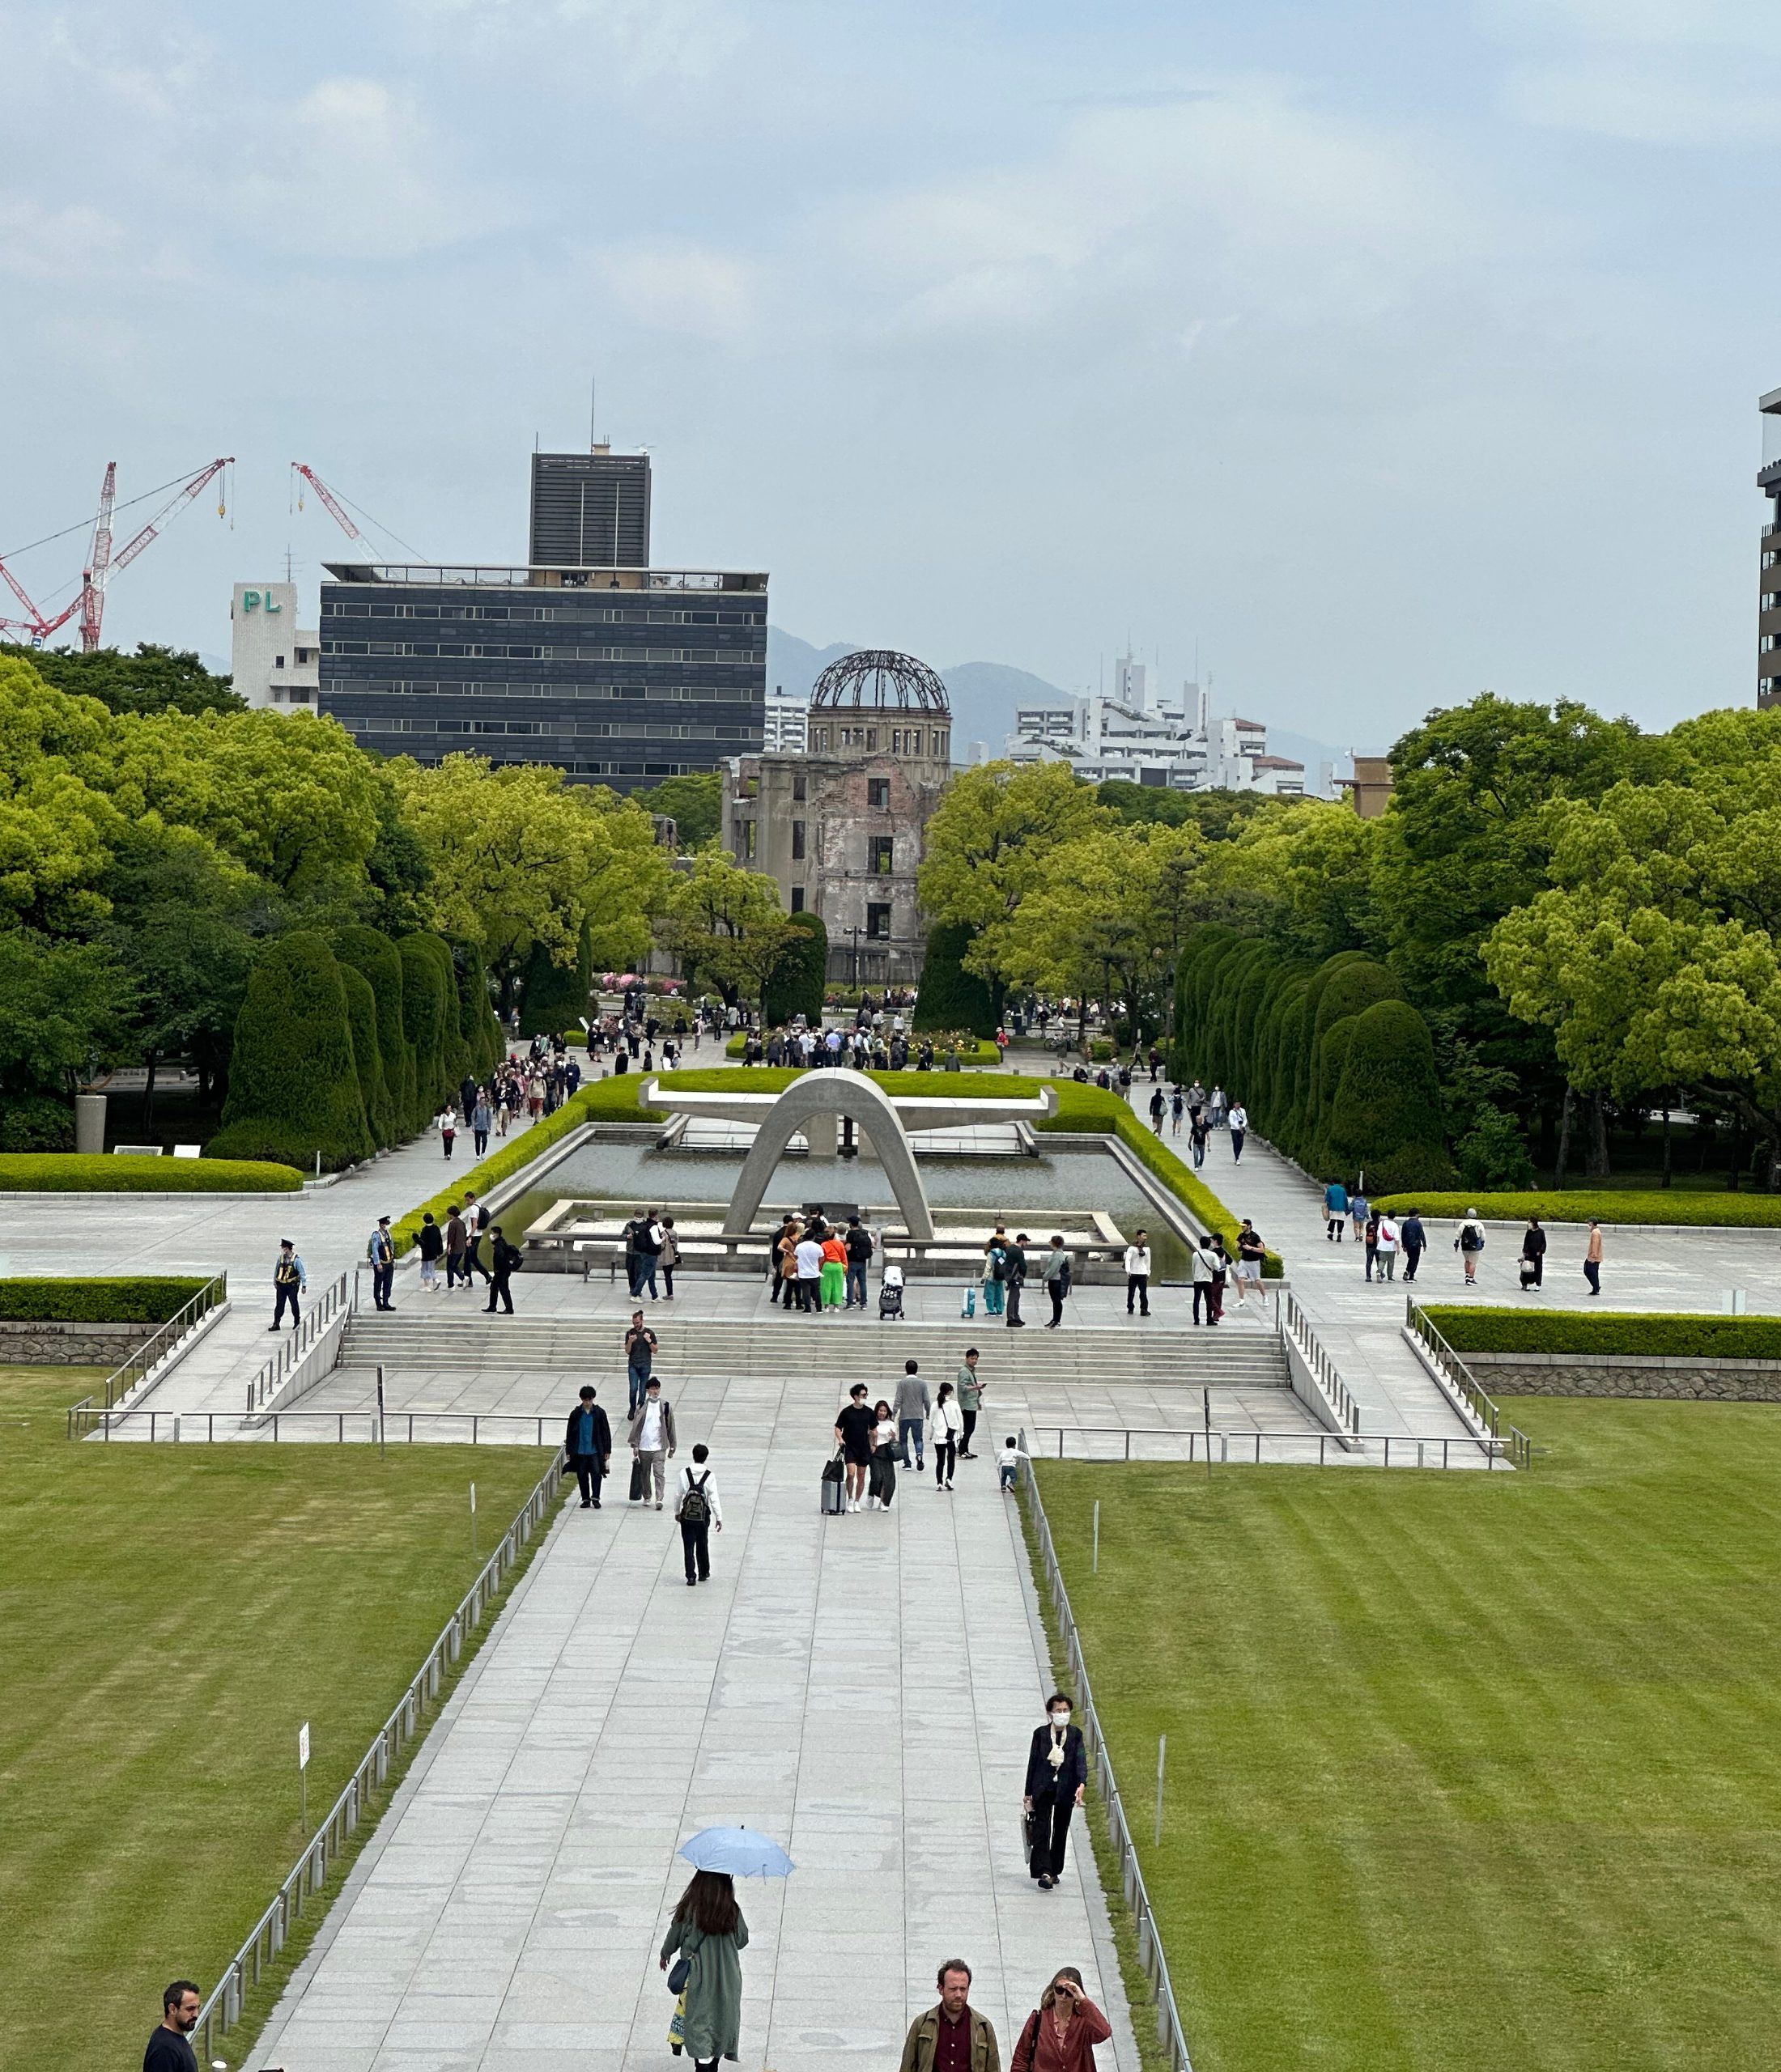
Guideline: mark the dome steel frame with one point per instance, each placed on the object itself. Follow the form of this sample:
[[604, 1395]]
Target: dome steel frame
[[879, 680]]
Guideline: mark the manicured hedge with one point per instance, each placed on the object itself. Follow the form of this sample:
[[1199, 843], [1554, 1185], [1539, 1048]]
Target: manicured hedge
[[150, 1299], [981, 1053], [948, 997], [76, 1172], [796, 986], [1607, 1205], [1606, 1334]]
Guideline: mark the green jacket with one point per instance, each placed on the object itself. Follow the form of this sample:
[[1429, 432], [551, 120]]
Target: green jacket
[[924, 2039], [714, 1992]]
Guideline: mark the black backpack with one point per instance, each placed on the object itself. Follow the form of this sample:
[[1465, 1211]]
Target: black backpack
[[694, 1506]]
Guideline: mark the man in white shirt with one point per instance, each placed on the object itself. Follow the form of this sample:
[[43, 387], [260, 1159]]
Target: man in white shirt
[[1385, 1249], [1240, 1127], [698, 1510], [809, 1273], [652, 1439], [1138, 1274]]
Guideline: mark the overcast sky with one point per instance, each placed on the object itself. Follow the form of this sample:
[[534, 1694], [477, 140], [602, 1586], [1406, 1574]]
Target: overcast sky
[[1391, 352]]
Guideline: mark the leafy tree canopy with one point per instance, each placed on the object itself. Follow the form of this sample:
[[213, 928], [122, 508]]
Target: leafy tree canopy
[[694, 803], [154, 679]]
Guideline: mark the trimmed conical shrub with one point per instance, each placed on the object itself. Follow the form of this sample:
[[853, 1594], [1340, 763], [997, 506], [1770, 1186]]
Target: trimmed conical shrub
[[796, 986], [1385, 1116], [553, 996], [430, 1023], [294, 1088], [371, 953], [949, 996], [477, 1020], [362, 1018]]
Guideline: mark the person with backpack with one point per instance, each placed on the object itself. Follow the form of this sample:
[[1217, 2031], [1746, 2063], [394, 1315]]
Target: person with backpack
[[1468, 1244], [1055, 1271], [698, 1511], [1063, 2030], [1359, 1209], [381, 1252], [1014, 1279], [430, 1242], [504, 1259], [668, 1257], [1415, 1241], [859, 1250], [995, 1275], [1159, 1107]]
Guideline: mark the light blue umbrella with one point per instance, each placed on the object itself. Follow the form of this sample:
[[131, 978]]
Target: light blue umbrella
[[742, 1852]]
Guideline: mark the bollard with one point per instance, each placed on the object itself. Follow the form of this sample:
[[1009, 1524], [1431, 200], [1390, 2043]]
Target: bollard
[[1161, 1750], [1094, 1566]]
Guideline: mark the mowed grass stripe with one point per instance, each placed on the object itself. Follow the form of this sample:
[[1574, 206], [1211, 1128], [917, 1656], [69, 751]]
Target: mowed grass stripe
[[1469, 1772], [170, 1616]]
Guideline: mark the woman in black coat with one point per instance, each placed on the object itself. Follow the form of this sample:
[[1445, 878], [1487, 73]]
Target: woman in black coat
[[1057, 1771]]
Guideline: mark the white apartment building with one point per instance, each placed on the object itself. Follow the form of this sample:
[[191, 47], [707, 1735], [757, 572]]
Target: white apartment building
[[787, 725], [272, 662]]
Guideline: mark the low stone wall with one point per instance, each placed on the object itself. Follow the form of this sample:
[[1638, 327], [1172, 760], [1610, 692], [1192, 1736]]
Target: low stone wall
[[71, 1345], [1627, 1375]]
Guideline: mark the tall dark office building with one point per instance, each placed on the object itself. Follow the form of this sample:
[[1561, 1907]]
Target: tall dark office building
[[590, 510], [1768, 619], [618, 676]]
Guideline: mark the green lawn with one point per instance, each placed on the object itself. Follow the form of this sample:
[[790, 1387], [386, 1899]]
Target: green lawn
[[1467, 1773], [168, 1618]]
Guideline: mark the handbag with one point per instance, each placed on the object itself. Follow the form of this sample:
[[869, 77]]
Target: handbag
[[639, 1477], [832, 1469], [678, 1977], [1026, 1836]]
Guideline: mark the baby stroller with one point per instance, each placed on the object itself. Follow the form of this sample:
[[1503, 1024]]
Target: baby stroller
[[890, 1294]]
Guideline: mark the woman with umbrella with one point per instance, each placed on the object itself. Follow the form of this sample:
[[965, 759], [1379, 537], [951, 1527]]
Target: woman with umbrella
[[709, 1933]]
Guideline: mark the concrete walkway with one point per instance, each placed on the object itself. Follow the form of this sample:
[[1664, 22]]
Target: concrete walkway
[[862, 1687]]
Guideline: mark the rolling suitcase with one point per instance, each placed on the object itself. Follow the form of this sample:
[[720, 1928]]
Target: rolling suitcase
[[833, 1487]]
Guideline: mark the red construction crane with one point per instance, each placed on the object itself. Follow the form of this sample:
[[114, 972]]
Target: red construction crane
[[327, 495], [102, 564]]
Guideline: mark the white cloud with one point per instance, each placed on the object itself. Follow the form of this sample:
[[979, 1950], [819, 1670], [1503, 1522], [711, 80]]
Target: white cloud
[[643, 42], [42, 243], [676, 286]]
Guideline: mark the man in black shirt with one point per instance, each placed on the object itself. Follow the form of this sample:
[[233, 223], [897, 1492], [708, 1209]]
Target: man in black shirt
[[167, 2050], [853, 1428], [859, 1245], [1015, 1269]]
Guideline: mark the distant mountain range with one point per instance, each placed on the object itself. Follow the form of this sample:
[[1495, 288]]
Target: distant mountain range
[[985, 695]]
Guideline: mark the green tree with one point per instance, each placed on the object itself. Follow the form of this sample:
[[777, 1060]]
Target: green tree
[[796, 985], [726, 926], [371, 953], [948, 997], [367, 1061], [554, 996], [430, 1023], [57, 822], [694, 803], [152, 680], [62, 1007], [1384, 1118], [293, 1081]]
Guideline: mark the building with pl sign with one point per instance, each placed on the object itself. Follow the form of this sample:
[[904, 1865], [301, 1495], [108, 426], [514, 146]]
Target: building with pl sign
[[841, 827], [618, 676], [272, 664]]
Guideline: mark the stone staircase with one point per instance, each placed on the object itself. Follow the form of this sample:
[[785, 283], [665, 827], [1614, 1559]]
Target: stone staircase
[[1237, 1356]]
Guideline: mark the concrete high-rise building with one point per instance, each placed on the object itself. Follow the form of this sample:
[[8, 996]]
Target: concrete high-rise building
[[590, 510], [1768, 620], [272, 663], [786, 725]]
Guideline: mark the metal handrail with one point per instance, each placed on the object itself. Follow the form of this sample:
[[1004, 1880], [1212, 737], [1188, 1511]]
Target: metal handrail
[[226, 1427], [155, 1347], [1171, 2035], [271, 1932], [1516, 1444], [1239, 1443], [1293, 1323], [334, 1306]]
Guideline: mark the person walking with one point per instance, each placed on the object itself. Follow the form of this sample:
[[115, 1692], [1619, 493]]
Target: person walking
[[970, 1387], [696, 1512], [859, 1250], [1199, 1130], [1177, 1108], [652, 1439], [481, 1122], [504, 1258], [587, 1443], [1468, 1244], [289, 1281], [1385, 1247], [639, 1357], [1533, 1256], [944, 1427], [430, 1242], [1359, 1209], [1216, 1108], [1138, 1274], [447, 1123], [911, 1407], [1371, 1237], [1197, 1101], [1252, 1250], [855, 1433], [707, 1930], [952, 2037], [1201, 1270], [834, 1281], [1240, 1129], [1593, 1252], [1063, 2030], [169, 2046], [667, 1255], [1056, 1773], [381, 1252], [476, 1222], [882, 1482], [1055, 1271], [458, 1243], [1335, 1212], [1159, 1107], [1415, 1241], [1014, 1265], [1220, 1259], [634, 1233]]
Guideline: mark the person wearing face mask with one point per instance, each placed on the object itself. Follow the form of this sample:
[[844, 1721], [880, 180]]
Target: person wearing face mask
[[1057, 1771]]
